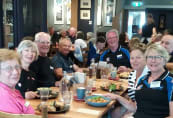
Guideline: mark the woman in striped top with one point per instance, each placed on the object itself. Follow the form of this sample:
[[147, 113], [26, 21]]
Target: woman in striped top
[[138, 63]]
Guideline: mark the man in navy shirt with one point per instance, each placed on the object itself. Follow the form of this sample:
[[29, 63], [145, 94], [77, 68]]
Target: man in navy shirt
[[117, 55], [62, 60], [43, 67]]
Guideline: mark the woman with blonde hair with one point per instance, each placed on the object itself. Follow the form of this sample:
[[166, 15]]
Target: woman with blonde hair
[[28, 52], [154, 91], [138, 64]]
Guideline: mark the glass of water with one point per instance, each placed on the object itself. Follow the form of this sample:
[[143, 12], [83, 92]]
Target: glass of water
[[67, 97], [44, 94]]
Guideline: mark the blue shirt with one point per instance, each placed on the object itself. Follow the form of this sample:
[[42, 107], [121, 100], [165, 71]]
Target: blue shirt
[[64, 62], [119, 58], [92, 54]]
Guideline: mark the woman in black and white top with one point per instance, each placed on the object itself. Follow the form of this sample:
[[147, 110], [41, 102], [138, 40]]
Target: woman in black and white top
[[138, 63]]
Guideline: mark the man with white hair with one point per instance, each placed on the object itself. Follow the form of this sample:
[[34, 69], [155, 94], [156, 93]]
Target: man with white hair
[[42, 66], [167, 43]]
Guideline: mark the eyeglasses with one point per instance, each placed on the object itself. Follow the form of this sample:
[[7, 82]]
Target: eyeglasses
[[137, 57], [11, 68], [158, 58], [115, 37], [44, 42]]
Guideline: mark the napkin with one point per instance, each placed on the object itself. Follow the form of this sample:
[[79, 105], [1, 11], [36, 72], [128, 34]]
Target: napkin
[[102, 64]]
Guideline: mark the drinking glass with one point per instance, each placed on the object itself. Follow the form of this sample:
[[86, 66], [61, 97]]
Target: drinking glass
[[89, 87], [104, 73], [67, 97], [44, 94]]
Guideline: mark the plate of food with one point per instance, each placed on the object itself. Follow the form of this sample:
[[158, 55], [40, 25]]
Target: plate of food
[[112, 87], [123, 75], [52, 95], [97, 101], [55, 107]]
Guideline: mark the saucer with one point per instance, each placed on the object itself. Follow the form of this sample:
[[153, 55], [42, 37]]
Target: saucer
[[115, 79], [76, 99], [93, 88]]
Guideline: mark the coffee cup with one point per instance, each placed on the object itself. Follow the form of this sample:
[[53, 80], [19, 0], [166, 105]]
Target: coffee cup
[[81, 92]]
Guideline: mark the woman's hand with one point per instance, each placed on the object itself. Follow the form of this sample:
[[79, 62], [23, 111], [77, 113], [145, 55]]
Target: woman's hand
[[123, 69], [30, 95], [57, 83], [111, 96]]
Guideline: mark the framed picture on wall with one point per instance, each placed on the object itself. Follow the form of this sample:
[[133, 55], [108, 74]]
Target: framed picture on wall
[[68, 11], [85, 4], [162, 21], [85, 14], [58, 12]]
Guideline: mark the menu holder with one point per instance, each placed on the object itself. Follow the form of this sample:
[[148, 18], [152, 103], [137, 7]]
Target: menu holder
[[80, 77]]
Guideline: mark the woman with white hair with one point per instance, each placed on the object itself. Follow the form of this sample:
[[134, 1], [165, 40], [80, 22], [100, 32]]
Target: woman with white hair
[[10, 70], [28, 52]]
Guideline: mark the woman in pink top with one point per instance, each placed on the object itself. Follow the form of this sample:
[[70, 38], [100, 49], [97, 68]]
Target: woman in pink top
[[11, 99]]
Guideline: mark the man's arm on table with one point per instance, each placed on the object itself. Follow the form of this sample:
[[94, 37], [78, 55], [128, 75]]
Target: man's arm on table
[[169, 66], [76, 68]]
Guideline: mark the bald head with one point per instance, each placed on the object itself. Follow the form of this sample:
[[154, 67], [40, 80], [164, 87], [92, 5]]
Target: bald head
[[72, 32], [64, 46], [167, 43]]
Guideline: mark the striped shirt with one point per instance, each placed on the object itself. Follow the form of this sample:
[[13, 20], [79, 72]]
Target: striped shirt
[[132, 80]]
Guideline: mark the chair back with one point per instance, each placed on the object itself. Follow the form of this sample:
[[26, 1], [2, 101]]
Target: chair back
[[10, 115]]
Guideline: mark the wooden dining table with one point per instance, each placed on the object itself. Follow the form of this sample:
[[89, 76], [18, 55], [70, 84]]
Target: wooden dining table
[[79, 109]]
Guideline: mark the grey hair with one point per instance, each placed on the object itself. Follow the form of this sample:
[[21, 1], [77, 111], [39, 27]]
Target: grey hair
[[112, 30], [28, 44], [40, 34], [159, 49], [90, 34]]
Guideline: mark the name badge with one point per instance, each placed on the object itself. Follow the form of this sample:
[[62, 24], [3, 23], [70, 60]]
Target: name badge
[[51, 68], [155, 84], [119, 56], [26, 104]]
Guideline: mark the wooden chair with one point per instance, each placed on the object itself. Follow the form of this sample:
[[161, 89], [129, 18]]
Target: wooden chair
[[10, 115]]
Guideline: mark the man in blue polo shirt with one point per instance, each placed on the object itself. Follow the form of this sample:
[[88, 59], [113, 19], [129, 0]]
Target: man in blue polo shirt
[[117, 55]]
